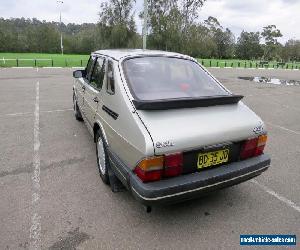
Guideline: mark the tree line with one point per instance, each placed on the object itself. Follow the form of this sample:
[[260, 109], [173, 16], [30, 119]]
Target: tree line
[[172, 25]]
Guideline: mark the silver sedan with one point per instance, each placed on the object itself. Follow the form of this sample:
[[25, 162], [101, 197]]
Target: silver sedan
[[164, 127]]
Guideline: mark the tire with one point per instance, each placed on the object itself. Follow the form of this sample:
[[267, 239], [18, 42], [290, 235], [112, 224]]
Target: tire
[[102, 158], [76, 109]]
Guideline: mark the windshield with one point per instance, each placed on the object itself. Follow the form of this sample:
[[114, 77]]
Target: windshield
[[157, 78]]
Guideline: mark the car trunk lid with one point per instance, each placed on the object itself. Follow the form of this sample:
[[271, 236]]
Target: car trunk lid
[[185, 130]]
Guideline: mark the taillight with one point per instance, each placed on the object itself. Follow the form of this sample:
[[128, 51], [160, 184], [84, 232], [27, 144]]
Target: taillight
[[261, 145], [150, 169], [253, 147], [173, 165], [155, 168]]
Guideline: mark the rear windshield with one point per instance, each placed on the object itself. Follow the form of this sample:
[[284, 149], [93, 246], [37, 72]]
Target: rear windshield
[[158, 78]]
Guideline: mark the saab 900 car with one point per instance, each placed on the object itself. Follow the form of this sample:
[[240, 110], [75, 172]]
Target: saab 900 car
[[165, 127]]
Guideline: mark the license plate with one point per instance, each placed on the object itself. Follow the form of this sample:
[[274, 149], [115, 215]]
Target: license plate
[[212, 158]]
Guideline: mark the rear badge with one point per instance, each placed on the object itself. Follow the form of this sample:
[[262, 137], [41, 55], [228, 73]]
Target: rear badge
[[164, 144], [258, 129]]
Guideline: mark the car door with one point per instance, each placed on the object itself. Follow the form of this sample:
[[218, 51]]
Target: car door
[[108, 107], [82, 82], [92, 91]]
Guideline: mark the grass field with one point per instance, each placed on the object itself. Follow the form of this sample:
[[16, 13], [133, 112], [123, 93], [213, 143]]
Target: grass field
[[41, 60], [58, 60], [235, 63]]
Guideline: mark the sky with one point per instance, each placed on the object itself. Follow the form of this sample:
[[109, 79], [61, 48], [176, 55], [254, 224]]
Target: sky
[[237, 15]]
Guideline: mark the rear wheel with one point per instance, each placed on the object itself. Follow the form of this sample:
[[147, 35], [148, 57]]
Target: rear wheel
[[102, 158]]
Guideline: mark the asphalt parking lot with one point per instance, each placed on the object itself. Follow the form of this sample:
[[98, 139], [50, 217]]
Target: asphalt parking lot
[[52, 196]]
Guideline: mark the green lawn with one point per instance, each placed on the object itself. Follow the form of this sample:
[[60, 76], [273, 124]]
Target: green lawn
[[235, 63], [42, 60], [58, 60]]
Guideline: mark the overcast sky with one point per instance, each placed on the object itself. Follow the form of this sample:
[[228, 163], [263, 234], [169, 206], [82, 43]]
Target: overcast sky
[[238, 15]]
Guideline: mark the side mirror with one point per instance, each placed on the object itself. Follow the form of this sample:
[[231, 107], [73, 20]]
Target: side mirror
[[78, 73]]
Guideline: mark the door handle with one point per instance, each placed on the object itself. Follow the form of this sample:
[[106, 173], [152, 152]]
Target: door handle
[[96, 99]]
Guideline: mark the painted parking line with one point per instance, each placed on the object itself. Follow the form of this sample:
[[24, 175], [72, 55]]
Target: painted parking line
[[52, 67], [56, 110], [22, 67], [30, 113], [268, 94], [17, 114], [268, 190], [35, 228], [284, 128]]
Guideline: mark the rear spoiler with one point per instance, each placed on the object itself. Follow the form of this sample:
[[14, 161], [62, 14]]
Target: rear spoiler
[[186, 102]]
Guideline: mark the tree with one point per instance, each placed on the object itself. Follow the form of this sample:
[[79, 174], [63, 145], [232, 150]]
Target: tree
[[190, 11], [224, 39], [291, 50], [199, 42], [248, 46], [117, 26], [271, 34], [212, 24], [171, 24], [164, 23]]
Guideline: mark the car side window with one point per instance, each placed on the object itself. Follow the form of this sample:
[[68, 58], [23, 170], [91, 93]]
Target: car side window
[[110, 85], [96, 79], [89, 67]]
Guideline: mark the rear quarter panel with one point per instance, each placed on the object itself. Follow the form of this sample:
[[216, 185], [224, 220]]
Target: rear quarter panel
[[126, 136]]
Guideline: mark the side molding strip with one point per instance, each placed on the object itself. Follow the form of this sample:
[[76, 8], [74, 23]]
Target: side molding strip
[[111, 113]]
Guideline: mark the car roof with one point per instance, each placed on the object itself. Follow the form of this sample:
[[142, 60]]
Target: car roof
[[119, 54]]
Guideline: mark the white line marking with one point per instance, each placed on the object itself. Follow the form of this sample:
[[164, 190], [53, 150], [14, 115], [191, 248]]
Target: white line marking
[[37, 69], [35, 229], [283, 128], [22, 67], [52, 67], [9, 59], [278, 196], [30, 113], [57, 110], [17, 114], [25, 59], [43, 59]]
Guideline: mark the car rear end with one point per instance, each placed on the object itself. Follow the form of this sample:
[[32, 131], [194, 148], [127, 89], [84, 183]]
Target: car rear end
[[204, 137], [189, 174]]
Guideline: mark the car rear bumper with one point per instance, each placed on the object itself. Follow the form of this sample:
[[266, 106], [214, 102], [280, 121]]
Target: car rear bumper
[[197, 184]]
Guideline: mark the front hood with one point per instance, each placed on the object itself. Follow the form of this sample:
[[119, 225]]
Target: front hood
[[186, 129]]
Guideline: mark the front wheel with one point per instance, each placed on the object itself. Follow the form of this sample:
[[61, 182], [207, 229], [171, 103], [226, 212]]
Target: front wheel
[[102, 158]]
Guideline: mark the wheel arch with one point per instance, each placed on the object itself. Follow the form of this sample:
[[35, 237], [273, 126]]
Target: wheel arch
[[98, 127], [74, 90]]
